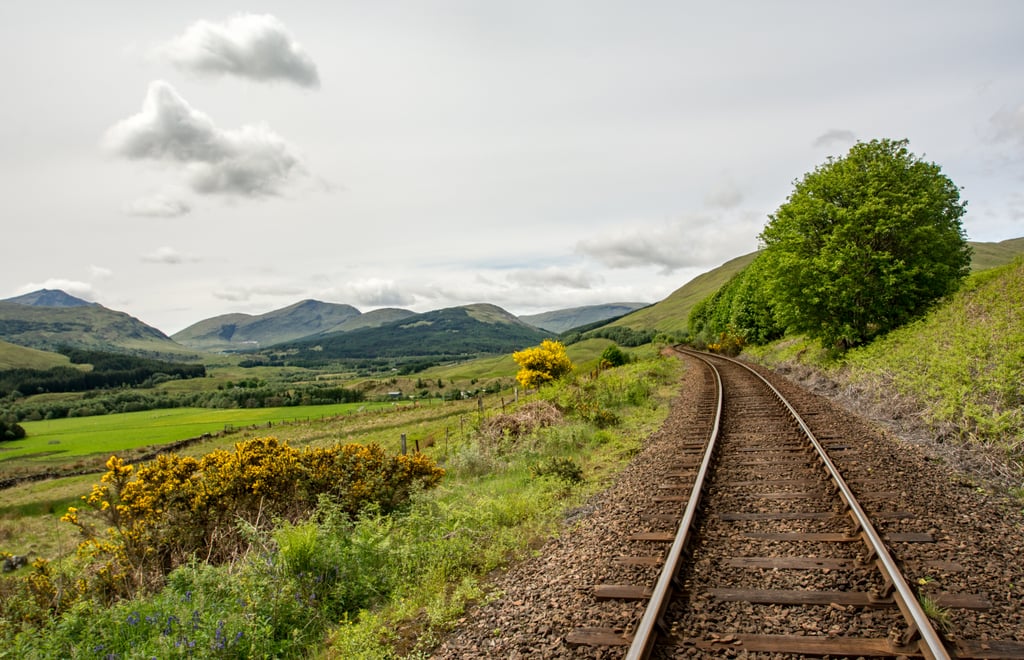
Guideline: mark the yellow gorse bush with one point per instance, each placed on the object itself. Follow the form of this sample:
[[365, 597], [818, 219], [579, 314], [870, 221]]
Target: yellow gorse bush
[[541, 364], [174, 508]]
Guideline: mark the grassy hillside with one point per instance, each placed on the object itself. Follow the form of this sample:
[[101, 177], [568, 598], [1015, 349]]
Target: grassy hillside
[[964, 362], [245, 332], [670, 314], [990, 255], [561, 320], [453, 332], [13, 356]]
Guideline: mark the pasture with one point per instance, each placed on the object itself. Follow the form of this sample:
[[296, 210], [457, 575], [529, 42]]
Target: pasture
[[58, 441]]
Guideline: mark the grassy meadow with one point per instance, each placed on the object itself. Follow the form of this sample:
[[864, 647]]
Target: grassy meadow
[[56, 441]]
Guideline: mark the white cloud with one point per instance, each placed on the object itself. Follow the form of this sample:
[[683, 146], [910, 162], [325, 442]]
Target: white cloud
[[100, 273], [1008, 124], [168, 255], [234, 293], [726, 195], [835, 136], [695, 241], [157, 206], [252, 161], [376, 292], [77, 288], [555, 276], [252, 46]]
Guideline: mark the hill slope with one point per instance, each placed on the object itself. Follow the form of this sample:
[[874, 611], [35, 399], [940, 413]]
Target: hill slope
[[465, 331], [246, 332], [374, 318], [89, 326], [13, 356], [964, 361], [670, 314], [49, 298], [991, 255], [561, 320]]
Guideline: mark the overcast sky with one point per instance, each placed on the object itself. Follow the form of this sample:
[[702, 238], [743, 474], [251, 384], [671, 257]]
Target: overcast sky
[[180, 160]]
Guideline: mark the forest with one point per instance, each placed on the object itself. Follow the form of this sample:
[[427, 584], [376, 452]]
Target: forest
[[109, 371]]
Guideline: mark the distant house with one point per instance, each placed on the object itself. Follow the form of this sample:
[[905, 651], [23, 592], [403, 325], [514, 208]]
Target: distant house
[[395, 395]]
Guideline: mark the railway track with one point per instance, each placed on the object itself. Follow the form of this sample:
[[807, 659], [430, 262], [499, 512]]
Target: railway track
[[758, 544]]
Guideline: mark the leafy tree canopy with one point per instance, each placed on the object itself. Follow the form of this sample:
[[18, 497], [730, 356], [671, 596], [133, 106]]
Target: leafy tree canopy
[[864, 244]]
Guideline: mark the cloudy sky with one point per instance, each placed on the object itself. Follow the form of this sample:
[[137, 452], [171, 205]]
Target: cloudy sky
[[179, 160]]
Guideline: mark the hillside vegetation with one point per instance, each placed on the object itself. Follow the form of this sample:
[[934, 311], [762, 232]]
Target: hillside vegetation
[[959, 370], [964, 362], [990, 255], [91, 327], [13, 356], [463, 332]]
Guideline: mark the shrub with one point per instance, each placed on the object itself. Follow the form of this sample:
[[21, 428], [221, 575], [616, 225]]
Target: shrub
[[542, 364], [563, 469], [613, 356], [160, 515]]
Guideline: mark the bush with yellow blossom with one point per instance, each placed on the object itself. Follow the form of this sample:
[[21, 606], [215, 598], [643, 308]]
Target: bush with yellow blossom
[[542, 364], [147, 521]]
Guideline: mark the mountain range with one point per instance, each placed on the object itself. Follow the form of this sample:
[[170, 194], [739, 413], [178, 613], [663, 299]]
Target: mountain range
[[312, 331], [308, 331]]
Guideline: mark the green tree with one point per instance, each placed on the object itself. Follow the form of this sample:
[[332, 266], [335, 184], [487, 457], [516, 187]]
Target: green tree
[[864, 244], [613, 356], [11, 430]]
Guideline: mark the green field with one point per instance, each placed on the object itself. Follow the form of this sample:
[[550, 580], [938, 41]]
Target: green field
[[57, 440]]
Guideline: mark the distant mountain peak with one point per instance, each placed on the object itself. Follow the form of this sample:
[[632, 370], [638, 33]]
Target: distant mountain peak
[[49, 298]]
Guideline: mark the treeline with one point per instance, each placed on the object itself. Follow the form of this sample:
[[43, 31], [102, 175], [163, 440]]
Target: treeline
[[621, 335], [120, 401], [109, 371]]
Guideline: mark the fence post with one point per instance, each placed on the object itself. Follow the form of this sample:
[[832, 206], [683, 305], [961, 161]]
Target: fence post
[[403, 444]]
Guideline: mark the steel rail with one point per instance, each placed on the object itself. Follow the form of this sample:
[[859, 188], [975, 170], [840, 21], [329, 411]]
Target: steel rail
[[931, 645], [646, 633]]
